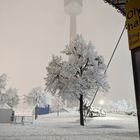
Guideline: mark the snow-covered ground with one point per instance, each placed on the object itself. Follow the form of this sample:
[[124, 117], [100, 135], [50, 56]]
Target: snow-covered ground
[[66, 127]]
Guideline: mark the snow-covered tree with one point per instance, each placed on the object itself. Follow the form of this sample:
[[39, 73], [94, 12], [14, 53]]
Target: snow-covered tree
[[36, 97], [78, 77], [9, 96], [12, 97], [3, 82], [121, 106]]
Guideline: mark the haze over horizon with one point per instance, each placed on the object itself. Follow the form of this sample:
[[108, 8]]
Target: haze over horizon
[[33, 30]]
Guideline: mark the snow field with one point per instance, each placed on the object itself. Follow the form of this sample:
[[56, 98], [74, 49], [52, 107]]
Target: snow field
[[66, 127]]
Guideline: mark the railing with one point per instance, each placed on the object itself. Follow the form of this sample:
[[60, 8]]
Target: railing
[[23, 119]]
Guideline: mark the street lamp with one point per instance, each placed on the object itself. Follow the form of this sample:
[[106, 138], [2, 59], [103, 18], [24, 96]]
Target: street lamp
[[101, 102]]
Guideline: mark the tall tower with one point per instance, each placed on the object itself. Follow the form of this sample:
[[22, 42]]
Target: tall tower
[[73, 8]]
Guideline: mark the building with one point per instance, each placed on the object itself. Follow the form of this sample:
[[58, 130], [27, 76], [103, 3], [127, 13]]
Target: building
[[5, 113]]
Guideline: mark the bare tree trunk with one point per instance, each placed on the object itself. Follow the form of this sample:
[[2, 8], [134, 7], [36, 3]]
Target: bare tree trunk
[[36, 112], [81, 111]]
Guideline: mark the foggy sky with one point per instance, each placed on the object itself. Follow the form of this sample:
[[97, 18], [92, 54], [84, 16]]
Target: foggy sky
[[32, 30]]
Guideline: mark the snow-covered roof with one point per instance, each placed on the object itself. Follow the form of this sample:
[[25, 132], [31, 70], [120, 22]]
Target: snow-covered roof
[[118, 4], [4, 106]]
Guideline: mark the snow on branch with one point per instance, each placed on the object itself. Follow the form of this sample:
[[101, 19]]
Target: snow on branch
[[81, 74]]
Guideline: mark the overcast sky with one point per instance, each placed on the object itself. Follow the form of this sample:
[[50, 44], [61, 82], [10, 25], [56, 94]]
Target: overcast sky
[[32, 30]]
